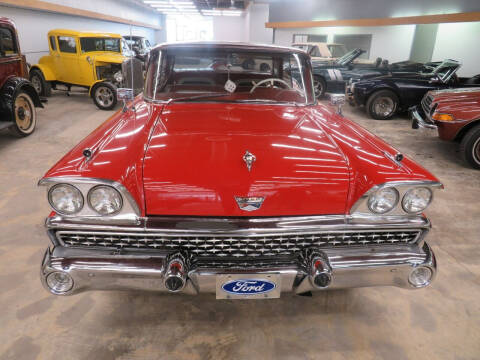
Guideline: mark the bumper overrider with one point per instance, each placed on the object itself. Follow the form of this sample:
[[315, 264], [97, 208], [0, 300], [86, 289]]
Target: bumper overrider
[[421, 121], [379, 253]]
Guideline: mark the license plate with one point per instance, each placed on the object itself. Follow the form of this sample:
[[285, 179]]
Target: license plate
[[248, 286]]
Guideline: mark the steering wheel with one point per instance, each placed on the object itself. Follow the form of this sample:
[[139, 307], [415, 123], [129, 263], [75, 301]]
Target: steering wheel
[[271, 80]]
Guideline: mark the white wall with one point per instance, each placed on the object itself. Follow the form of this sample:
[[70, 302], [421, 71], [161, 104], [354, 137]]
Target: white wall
[[388, 42], [33, 27], [249, 27], [257, 17], [459, 41], [230, 28]]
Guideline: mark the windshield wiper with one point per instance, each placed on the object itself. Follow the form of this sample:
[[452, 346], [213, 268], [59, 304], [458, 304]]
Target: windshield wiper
[[198, 97]]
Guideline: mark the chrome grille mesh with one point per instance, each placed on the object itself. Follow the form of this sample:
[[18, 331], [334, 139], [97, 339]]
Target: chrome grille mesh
[[235, 246], [426, 103]]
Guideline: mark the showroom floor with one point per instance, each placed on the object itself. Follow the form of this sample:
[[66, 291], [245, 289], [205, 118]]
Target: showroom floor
[[441, 322]]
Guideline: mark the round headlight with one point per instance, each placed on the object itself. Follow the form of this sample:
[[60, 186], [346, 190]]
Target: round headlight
[[383, 200], [105, 200], [65, 199], [416, 200]]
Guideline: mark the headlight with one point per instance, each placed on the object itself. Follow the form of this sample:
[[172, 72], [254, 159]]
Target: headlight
[[383, 200], [416, 200], [118, 76], [65, 199], [105, 200]]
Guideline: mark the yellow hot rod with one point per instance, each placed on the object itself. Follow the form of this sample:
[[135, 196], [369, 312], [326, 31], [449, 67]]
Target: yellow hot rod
[[91, 60]]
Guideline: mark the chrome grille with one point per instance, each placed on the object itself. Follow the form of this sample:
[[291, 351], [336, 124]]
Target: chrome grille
[[426, 103], [235, 246]]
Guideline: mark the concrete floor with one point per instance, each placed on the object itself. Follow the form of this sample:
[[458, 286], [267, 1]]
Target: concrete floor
[[441, 322]]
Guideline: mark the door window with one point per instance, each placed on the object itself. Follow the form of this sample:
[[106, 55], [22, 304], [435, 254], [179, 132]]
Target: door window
[[67, 44], [8, 46]]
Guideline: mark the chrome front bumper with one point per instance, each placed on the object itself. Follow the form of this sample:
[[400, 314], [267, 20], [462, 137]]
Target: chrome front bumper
[[358, 267], [418, 122]]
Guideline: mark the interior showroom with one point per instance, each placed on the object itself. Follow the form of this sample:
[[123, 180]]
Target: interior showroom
[[239, 179]]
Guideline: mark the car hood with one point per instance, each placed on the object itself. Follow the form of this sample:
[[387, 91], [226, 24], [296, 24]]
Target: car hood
[[194, 162], [115, 58], [453, 100]]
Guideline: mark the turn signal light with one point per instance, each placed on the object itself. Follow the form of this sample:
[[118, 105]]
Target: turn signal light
[[442, 117]]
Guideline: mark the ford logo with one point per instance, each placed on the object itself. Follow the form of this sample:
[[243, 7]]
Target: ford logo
[[248, 287]]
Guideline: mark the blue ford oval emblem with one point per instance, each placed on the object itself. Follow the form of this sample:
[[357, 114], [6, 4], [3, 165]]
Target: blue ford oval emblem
[[248, 286]]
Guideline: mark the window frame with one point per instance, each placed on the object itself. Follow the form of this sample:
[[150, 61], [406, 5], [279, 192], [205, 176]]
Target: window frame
[[13, 35], [69, 37]]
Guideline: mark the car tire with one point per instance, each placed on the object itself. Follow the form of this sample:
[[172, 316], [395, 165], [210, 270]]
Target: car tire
[[382, 104], [320, 86], [104, 95], [42, 86], [470, 147], [25, 115]]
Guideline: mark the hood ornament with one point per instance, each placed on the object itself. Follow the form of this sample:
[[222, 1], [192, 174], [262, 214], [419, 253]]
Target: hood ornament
[[249, 203], [249, 159]]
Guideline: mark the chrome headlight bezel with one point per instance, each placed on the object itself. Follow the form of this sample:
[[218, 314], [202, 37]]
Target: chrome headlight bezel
[[75, 189], [129, 213], [361, 207]]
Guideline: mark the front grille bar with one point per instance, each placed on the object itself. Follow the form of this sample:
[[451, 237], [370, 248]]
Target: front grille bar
[[236, 246]]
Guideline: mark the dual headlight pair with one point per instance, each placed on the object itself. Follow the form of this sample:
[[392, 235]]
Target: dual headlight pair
[[414, 201], [66, 199]]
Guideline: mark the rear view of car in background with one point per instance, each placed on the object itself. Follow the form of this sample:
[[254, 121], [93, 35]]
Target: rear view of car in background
[[18, 98]]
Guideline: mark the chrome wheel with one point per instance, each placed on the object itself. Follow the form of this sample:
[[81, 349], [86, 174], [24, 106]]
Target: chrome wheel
[[104, 96], [318, 88], [476, 151], [384, 106], [37, 84], [24, 113]]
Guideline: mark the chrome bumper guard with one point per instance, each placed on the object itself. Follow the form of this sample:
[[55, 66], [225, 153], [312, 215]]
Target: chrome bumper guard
[[347, 268], [418, 122]]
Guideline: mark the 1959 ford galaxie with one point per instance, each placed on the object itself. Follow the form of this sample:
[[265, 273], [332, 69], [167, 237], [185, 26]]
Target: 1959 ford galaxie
[[226, 176]]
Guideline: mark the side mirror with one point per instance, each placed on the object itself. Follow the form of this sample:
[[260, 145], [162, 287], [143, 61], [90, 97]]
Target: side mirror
[[337, 100], [125, 95]]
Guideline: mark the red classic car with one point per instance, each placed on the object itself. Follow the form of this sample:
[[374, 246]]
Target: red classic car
[[18, 97], [226, 176], [455, 116]]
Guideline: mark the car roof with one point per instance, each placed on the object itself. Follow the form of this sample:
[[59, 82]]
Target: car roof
[[6, 21], [83, 33], [230, 45]]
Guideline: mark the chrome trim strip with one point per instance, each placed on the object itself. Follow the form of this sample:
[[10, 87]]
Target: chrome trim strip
[[250, 225], [361, 207]]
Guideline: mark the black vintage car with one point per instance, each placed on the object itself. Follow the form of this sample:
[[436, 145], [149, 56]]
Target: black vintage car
[[387, 94], [332, 76]]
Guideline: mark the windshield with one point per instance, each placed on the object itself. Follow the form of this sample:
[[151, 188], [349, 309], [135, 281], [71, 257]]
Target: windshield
[[234, 75], [445, 70], [135, 42], [337, 50], [349, 57], [100, 44]]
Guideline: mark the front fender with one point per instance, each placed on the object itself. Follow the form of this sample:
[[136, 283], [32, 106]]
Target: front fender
[[46, 70], [10, 90]]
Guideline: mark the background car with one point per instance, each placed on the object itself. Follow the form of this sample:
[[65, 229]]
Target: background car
[[333, 76], [384, 96], [18, 98], [328, 51], [455, 116], [86, 59], [140, 45]]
